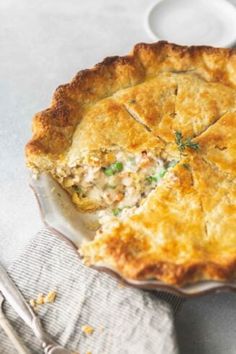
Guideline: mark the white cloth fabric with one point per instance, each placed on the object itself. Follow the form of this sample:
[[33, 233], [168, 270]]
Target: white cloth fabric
[[125, 320]]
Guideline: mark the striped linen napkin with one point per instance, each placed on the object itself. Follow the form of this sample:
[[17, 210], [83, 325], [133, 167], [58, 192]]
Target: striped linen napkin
[[119, 319]]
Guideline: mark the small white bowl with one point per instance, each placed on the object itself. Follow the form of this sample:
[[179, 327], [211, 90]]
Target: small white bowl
[[60, 215], [193, 22]]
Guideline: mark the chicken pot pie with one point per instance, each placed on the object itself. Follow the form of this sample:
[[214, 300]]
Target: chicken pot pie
[[148, 143]]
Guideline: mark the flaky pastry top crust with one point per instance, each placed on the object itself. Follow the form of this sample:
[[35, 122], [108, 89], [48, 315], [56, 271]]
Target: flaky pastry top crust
[[185, 230], [54, 127]]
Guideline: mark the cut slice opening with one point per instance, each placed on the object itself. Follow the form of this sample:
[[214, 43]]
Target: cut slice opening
[[113, 183]]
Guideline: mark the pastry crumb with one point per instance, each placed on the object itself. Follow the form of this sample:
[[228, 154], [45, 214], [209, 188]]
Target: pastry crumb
[[43, 299], [88, 352], [40, 299], [32, 303], [120, 285], [88, 330], [50, 297]]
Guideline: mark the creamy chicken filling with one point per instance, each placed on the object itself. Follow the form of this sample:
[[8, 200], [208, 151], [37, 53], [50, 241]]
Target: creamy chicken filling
[[115, 188]]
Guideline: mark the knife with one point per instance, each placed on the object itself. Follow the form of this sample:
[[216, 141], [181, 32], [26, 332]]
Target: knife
[[23, 309]]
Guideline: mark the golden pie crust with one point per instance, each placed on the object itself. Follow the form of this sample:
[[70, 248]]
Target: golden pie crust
[[185, 230]]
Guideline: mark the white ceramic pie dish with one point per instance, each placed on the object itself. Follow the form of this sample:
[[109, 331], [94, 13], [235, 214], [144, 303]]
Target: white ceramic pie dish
[[60, 215], [193, 22]]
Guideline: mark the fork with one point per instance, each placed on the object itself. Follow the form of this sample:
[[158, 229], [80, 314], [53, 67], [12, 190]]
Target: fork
[[9, 330], [20, 305], [48, 345]]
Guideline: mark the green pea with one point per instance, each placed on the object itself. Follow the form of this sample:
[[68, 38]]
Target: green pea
[[117, 166], [116, 211], [108, 171]]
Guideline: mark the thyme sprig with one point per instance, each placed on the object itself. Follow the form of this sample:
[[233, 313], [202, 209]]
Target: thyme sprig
[[185, 143]]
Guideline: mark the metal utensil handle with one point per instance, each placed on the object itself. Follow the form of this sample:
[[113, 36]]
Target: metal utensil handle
[[15, 298], [13, 336]]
